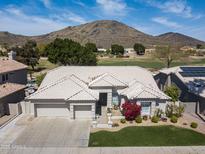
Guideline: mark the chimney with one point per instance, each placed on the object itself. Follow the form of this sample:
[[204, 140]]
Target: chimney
[[12, 55]]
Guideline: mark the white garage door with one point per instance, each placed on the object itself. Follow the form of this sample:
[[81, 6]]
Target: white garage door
[[82, 112], [52, 110]]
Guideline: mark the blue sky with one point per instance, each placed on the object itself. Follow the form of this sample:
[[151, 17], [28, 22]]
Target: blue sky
[[34, 17]]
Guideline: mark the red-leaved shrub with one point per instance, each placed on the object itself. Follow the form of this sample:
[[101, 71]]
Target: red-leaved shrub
[[131, 110]]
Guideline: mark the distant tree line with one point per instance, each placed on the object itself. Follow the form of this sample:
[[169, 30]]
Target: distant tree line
[[61, 51]]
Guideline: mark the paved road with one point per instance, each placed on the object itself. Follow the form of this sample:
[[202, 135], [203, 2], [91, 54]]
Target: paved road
[[54, 132], [108, 150]]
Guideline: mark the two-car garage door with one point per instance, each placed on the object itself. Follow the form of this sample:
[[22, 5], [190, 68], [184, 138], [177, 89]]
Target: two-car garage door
[[59, 110], [62, 110]]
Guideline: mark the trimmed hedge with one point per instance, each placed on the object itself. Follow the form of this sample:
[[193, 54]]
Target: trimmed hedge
[[174, 119], [194, 125], [138, 119], [155, 119], [123, 121]]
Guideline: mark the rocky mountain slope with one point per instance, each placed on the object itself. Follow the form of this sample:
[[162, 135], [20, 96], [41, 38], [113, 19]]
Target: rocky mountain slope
[[103, 33]]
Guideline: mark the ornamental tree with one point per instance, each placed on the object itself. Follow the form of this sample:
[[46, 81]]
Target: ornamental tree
[[117, 49], [131, 110], [139, 48]]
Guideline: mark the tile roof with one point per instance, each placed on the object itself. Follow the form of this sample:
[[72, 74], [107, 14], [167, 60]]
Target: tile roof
[[137, 90], [7, 65], [74, 82], [107, 80], [9, 88]]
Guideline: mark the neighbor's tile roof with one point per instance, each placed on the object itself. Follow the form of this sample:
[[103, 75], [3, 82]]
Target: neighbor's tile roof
[[7, 65], [9, 88]]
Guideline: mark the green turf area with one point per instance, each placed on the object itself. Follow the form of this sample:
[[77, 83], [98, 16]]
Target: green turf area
[[44, 65], [146, 63], [147, 136]]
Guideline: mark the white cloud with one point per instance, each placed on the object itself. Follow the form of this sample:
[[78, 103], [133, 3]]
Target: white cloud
[[79, 3], [68, 16], [46, 3], [179, 7], [16, 21], [164, 21], [113, 7]]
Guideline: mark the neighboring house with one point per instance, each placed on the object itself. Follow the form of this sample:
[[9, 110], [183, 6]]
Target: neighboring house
[[187, 48], [102, 50], [85, 91], [13, 78], [130, 52], [189, 79]]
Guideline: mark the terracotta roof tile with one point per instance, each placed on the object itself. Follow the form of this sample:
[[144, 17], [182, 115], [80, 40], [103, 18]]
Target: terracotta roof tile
[[9, 88], [10, 65]]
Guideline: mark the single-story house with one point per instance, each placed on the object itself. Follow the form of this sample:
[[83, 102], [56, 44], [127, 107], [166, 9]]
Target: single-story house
[[82, 91], [191, 82]]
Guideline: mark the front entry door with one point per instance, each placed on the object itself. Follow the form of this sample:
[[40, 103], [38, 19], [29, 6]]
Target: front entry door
[[102, 102], [103, 99]]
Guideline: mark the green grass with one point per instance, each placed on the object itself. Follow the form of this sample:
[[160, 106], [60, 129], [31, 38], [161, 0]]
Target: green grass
[[147, 136], [147, 62], [43, 65]]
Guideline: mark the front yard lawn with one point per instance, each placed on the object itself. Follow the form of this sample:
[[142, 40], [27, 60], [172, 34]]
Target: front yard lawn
[[147, 136]]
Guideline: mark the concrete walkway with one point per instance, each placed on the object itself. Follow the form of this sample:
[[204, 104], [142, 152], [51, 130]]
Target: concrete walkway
[[108, 150]]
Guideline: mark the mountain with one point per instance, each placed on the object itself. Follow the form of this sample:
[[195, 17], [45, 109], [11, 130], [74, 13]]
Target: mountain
[[179, 39], [103, 33], [12, 39]]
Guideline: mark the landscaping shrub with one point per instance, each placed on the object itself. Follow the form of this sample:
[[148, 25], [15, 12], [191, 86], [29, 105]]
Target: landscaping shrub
[[116, 107], [131, 110], [158, 113], [123, 121], [194, 125], [155, 119], [115, 125], [138, 119], [174, 119], [145, 117], [174, 110], [179, 110], [173, 92]]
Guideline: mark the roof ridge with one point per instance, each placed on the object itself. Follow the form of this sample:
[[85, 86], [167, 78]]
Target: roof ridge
[[157, 91], [97, 79], [117, 79], [78, 78], [103, 76]]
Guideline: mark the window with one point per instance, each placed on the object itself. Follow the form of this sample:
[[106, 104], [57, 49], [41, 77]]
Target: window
[[5, 77], [146, 106]]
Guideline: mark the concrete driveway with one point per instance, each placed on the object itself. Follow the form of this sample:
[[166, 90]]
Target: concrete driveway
[[54, 132]]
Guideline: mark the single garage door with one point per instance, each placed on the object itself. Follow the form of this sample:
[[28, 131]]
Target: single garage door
[[56, 110], [82, 112]]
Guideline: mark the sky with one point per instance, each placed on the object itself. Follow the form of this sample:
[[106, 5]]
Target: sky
[[35, 17]]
